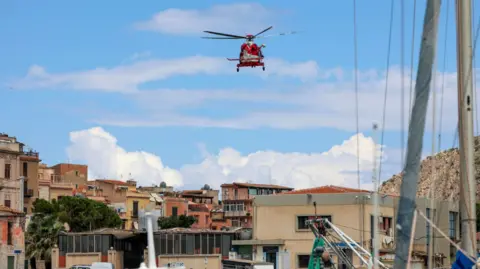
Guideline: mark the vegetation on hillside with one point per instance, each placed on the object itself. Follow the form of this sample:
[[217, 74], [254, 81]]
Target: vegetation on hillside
[[181, 221]]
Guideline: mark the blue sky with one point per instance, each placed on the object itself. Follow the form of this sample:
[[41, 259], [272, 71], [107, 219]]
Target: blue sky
[[157, 87]]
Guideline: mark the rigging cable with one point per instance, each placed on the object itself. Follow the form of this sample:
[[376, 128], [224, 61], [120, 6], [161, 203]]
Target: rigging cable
[[355, 57], [386, 91], [411, 59], [443, 78], [402, 82]]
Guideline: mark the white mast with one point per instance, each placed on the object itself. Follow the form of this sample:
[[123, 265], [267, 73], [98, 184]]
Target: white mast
[[465, 127]]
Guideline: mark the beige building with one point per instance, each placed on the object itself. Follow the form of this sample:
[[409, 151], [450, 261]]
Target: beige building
[[12, 218], [279, 228]]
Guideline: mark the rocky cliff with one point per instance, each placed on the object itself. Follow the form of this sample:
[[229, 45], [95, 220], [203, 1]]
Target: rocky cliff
[[447, 184]]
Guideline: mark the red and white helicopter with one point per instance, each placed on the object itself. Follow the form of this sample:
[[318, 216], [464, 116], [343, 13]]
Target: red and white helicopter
[[250, 53]]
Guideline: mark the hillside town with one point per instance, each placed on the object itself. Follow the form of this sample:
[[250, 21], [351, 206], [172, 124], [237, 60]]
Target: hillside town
[[256, 222]]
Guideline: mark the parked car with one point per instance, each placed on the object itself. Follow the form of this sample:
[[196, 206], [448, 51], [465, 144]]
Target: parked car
[[102, 265]]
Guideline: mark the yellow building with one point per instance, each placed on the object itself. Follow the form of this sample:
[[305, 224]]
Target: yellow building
[[125, 198], [351, 210]]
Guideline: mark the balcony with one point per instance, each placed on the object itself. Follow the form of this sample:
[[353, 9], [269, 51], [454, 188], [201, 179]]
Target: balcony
[[242, 213], [27, 192]]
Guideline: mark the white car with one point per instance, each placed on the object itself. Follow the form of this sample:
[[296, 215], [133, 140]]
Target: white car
[[102, 265]]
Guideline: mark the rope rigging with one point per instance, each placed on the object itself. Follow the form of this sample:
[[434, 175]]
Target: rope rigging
[[402, 82]]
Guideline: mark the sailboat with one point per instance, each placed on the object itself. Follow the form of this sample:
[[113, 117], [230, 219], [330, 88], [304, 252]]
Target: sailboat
[[467, 256]]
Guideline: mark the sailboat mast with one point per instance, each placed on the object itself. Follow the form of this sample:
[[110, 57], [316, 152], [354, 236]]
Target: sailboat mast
[[416, 131], [465, 128]]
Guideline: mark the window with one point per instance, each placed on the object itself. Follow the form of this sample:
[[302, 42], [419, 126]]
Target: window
[[8, 167], [302, 261], [77, 173], [10, 233], [135, 209], [174, 211], [25, 210], [7, 203], [301, 225], [25, 169], [252, 191], [236, 194], [452, 219]]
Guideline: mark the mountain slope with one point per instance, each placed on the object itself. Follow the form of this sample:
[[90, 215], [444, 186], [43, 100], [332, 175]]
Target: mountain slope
[[447, 184]]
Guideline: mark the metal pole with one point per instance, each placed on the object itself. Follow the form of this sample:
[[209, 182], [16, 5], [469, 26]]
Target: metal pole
[[20, 199], [416, 131], [375, 200], [465, 114]]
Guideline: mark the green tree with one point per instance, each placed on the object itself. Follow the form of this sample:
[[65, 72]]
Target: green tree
[[206, 187], [81, 214], [181, 221]]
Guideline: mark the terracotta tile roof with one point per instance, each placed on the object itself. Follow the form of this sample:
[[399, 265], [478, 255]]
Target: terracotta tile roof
[[326, 189], [113, 181], [5, 209], [246, 185], [192, 192]]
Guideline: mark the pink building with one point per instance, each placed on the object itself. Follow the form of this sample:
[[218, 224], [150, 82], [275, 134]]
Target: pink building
[[237, 200]]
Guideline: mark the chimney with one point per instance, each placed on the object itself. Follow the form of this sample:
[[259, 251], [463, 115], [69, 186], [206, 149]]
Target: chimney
[[132, 182]]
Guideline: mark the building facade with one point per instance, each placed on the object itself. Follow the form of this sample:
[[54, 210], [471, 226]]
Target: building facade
[[237, 199], [12, 216], [279, 224]]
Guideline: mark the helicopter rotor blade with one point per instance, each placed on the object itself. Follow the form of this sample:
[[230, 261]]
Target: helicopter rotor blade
[[263, 31], [279, 34], [222, 34], [211, 37]]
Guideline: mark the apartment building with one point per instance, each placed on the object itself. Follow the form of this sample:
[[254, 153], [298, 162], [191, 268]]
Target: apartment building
[[12, 217], [237, 199], [281, 236], [59, 180], [125, 199]]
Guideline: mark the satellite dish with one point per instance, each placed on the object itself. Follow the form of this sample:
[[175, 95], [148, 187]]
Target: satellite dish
[[66, 226]]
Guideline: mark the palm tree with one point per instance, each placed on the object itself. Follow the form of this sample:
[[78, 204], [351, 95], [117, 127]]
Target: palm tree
[[42, 236]]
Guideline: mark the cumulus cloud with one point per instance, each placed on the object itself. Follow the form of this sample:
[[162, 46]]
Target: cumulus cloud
[[106, 159], [231, 18]]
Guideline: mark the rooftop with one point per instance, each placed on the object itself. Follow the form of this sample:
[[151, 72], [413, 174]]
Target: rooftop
[[327, 189], [113, 181], [5, 209], [253, 185]]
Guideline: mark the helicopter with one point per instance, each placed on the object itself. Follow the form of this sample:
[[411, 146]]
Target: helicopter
[[251, 54]]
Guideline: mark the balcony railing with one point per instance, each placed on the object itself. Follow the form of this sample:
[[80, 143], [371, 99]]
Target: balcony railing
[[236, 213], [31, 153], [27, 192]]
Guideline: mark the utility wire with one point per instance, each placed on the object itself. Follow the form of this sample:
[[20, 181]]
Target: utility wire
[[443, 77], [355, 57], [386, 90]]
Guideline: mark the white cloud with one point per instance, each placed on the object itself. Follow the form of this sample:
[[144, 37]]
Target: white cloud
[[338, 166], [106, 159], [128, 77], [328, 103], [229, 18]]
